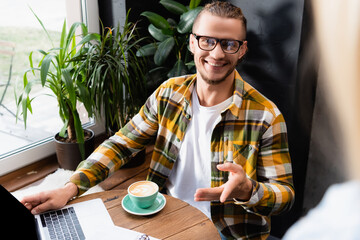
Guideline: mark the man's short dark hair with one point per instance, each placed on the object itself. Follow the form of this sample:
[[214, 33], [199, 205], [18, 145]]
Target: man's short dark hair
[[223, 9]]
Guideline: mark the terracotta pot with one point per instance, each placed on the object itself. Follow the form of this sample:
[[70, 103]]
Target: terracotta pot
[[68, 154]]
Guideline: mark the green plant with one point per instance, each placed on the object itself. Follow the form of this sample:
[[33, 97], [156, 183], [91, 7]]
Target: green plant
[[115, 75], [55, 71], [171, 53]]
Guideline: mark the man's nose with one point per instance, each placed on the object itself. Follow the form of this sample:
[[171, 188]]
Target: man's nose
[[217, 52]]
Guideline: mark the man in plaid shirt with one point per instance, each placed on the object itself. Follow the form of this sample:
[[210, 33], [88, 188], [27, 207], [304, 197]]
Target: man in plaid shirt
[[220, 145]]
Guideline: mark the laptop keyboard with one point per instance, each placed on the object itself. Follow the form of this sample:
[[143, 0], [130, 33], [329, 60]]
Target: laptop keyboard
[[62, 224]]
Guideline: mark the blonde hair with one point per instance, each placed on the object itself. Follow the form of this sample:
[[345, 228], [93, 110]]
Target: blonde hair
[[337, 25]]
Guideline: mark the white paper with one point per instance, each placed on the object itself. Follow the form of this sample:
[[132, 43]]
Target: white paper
[[115, 232]]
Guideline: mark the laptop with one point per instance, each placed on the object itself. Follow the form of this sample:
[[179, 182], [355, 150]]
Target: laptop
[[76, 221]]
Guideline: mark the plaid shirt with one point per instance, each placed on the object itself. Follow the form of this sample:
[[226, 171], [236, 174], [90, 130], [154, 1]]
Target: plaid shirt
[[252, 133]]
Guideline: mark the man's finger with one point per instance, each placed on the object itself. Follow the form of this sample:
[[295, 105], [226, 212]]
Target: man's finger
[[237, 185], [28, 206], [229, 167], [43, 208], [208, 194], [37, 210], [34, 199], [31, 201], [225, 194]]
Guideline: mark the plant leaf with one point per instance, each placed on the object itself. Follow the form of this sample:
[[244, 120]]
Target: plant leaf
[[31, 63], [174, 7], [71, 33], [45, 68], [172, 22], [43, 52], [70, 87], [163, 51], [89, 37], [85, 98], [62, 44], [79, 133], [194, 3], [147, 50], [157, 20], [43, 27], [24, 108], [179, 69], [168, 32], [190, 64], [62, 132], [187, 20], [156, 33]]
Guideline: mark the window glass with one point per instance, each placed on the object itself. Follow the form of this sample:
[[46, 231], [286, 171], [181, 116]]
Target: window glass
[[19, 26]]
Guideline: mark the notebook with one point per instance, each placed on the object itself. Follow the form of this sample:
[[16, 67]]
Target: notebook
[[77, 221]]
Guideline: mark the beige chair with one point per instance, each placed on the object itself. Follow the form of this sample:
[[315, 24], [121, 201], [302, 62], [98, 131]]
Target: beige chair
[[6, 49]]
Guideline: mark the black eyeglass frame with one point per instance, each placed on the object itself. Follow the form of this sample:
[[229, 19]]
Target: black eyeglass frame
[[197, 37]]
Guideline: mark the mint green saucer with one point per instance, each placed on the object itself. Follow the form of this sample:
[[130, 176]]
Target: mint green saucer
[[158, 205]]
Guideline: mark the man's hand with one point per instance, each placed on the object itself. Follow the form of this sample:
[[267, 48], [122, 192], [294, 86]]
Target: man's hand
[[238, 186], [49, 200]]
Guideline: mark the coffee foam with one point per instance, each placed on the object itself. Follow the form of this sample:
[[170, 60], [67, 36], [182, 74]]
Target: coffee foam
[[142, 189]]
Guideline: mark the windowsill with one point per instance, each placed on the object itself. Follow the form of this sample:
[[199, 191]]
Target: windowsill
[[34, 172], [29, 174]]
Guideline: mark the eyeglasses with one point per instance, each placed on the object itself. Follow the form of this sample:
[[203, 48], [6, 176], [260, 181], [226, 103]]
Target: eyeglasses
[[209, 43]]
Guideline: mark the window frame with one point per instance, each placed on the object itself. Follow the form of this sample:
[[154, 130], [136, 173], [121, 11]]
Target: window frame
[[76, 11]]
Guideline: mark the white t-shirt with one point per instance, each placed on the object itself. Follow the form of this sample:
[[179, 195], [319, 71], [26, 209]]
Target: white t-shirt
[[192, 169]]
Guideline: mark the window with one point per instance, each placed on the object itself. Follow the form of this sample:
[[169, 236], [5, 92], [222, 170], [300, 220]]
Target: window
[[20, 147]]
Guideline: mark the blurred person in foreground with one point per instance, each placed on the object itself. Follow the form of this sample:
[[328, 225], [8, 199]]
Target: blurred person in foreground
[[220, 145], [338, 33]]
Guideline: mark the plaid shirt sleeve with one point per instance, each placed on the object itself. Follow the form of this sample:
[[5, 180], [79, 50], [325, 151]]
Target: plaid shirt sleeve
[[116, 151], [273, 190], [271, 173]]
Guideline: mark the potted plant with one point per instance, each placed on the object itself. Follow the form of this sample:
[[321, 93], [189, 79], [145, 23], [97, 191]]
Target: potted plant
[[116, 77], [170, 50], [56, 71]]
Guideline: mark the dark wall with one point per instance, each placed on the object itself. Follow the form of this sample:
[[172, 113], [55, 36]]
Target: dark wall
[[105, 12], [278, 64]]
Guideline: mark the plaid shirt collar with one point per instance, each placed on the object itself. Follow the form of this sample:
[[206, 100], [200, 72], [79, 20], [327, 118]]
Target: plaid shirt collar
[[234, 107]]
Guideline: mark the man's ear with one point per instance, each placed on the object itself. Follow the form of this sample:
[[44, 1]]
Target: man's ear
[[192, 43], [243, 50]]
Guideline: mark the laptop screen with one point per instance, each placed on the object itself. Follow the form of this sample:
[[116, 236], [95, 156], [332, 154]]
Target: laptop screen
[[16, 219]]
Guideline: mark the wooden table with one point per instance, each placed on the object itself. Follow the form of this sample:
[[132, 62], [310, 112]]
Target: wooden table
[[178, 220]]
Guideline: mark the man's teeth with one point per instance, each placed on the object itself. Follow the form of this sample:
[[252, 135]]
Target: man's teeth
[[215, 64]]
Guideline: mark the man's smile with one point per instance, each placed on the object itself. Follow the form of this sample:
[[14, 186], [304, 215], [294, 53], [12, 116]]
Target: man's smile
[[215, 64]]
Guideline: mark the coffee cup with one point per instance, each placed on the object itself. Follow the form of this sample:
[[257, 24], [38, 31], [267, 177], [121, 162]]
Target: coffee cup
[[143, 193]]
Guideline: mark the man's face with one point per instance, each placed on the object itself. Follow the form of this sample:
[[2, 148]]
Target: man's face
[[216, 66]]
